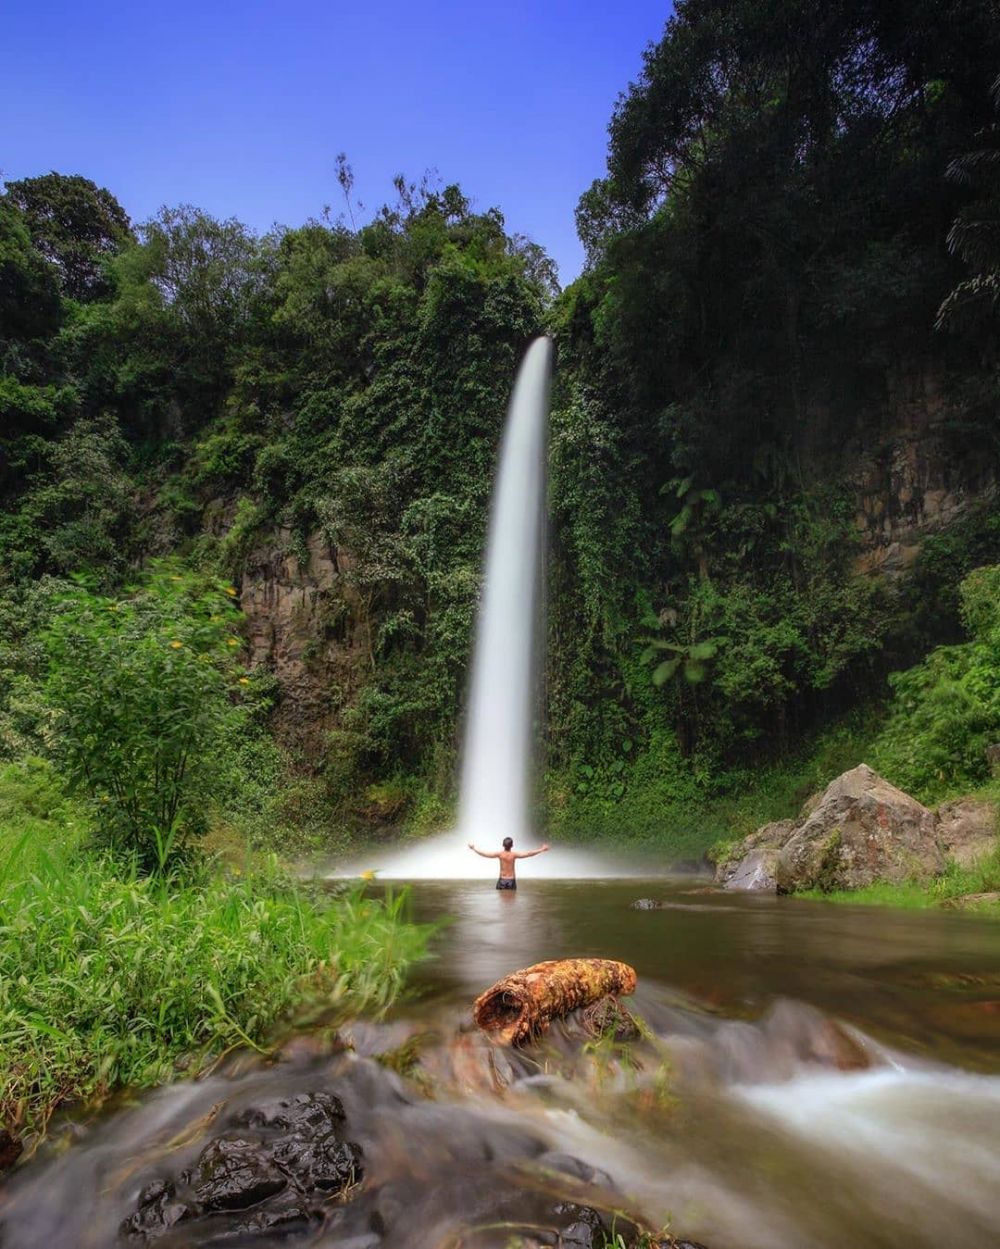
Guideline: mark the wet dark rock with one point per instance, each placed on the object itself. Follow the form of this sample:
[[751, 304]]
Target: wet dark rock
[[287, 1215], [576, 1168], [647, 904], [272, 1177], [10, 1149], [580, 1227], [233, 1175], [325, 1164], [159, 1211]]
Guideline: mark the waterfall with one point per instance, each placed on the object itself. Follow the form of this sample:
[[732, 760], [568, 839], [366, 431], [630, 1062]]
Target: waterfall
[[496, 782], [496, 775]]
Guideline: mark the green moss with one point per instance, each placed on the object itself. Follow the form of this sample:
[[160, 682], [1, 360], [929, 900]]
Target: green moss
[[955, 883]]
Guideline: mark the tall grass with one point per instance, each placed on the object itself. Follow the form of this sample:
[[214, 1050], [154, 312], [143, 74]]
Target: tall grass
[[109, 979]]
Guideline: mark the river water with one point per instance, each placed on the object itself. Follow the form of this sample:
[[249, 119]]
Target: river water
[[814, 1076]]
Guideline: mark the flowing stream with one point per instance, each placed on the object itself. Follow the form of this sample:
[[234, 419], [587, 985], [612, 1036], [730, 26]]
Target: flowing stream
[[815, 1076]]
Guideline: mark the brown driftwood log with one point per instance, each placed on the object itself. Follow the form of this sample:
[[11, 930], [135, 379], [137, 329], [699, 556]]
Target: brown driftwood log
[[522, 1005]]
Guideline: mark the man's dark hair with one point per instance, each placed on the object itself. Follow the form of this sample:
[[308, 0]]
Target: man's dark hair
[[508, 842]]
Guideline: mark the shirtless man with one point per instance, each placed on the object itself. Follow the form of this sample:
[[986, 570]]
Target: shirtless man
[[508, 857]]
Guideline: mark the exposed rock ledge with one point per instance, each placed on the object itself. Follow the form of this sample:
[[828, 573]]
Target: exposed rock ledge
[[860, 830]]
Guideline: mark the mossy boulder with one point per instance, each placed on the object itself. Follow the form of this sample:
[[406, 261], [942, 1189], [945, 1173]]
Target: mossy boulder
[[862, 830]]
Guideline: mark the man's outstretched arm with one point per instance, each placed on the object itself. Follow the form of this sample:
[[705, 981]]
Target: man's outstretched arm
[[486, 854], [530, 854]]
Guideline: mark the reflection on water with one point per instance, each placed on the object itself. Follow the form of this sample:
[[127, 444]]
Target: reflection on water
[[924, 981]]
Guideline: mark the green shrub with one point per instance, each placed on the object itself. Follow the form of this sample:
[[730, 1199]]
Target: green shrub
[[946, 710], [143, 686]]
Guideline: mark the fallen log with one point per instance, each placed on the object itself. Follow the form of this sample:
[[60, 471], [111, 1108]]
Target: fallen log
[[523, 1004]]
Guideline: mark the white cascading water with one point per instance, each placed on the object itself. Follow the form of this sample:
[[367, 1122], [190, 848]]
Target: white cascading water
[[494, 799], [495, 795]]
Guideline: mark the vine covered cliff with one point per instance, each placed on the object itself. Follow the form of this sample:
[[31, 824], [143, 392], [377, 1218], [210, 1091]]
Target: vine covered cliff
[[774, 448]]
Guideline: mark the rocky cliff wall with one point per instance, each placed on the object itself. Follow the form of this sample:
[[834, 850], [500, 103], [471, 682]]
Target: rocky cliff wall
[[307, 624], [911, 474]]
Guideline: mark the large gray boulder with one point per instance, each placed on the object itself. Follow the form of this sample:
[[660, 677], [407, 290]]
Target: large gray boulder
[[753, 865], [967, 830], [861, 830]]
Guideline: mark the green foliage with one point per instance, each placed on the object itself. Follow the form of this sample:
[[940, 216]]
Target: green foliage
[[690, 808], [764, 257], [29, 288], [142, 686], [75, 225], [26, 718], [946, 710], [78, 511], [111, 981]]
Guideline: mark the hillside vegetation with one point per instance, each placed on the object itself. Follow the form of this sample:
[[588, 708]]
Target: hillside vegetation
[[791, 277]]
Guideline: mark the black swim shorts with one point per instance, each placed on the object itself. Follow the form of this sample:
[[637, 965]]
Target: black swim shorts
[[504, 883]]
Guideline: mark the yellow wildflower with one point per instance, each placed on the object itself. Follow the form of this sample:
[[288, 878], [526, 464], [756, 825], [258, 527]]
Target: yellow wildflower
[[175, 645], [244, 680], [232, 641], [230, 591]]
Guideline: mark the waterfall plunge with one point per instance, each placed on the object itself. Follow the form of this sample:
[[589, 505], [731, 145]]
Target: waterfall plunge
[[496, 774], [495, 797]]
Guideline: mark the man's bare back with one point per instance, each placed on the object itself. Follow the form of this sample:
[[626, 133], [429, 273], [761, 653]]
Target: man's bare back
[[508, 856]]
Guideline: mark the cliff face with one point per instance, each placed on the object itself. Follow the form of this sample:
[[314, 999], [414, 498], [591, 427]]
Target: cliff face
[[908, 475], [307, 624], [911, 476]]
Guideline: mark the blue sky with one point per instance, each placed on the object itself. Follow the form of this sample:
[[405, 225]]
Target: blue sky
[[242, 108]]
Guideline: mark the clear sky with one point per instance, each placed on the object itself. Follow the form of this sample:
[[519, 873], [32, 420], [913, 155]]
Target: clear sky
[[241, 108]]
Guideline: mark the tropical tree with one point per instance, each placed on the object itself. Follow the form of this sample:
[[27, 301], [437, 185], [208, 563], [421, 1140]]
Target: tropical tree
[[76, 225]]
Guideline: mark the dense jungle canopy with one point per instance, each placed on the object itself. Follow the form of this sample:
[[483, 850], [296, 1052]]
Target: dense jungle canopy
[[792, 266]]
